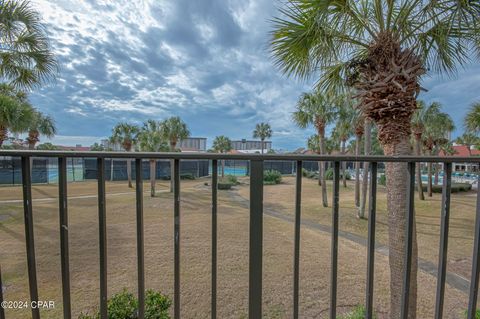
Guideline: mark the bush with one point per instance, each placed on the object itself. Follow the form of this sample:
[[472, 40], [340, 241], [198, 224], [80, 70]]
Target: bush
[[305, 172], [272, 177], [358, 313], [329, 174], [232, 179], [382, 180], [224, 185], [124, 305], [477, 314], [156, 305], [456, 187], [188, 176]]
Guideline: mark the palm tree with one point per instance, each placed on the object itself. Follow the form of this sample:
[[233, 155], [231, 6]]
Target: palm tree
[[418, 127], [437, 125], [15, 111], [343, 131], [318, 110], [125, 134], [262, 131], [382, 48], [222, 144], [26, 59], [468, 140], [472, 120], [40, 124], [367, 149], [358, 123], [150, 140], [173, 130]]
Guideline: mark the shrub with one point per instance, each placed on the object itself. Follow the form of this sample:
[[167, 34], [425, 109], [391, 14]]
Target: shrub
[[232, 179], [329, 174], [305, 172], [272, 177], [156, 305], [124, 305], [456, 187], [224, 185], [188, 176], [382, 180], [477, 314], [357, 313]]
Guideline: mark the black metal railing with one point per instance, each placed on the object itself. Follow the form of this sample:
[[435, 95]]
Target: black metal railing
[[256, 227]]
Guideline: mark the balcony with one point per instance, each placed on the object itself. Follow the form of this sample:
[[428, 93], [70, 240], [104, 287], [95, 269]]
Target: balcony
[[256, 263]]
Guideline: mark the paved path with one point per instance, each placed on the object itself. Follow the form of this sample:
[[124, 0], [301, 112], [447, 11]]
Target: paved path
[[454, 280]]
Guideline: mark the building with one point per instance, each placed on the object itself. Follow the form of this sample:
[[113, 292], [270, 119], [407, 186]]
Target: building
[[193, 144], [251, 146], [462, 151]]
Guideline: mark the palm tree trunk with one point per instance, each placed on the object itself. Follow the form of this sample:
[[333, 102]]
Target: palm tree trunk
[[418, 151], [321, 169], [367, 149], [357, 171], [172, 162], [435, 179], [262, 144], [397, 206], [153, 176], [129, 172], [429, 172], [344, 166], [3, 135], [223, 168]]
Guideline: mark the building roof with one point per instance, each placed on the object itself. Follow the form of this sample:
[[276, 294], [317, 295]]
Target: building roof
[[461, 150]]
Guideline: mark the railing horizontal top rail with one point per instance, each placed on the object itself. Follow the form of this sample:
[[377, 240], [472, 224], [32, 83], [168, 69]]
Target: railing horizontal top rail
[[220, 156]]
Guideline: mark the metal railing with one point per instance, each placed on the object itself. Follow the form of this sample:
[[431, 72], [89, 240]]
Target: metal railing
[[256, 227]]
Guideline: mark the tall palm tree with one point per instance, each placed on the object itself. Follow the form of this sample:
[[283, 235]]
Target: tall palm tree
[[262, 131], [418, 127], [15, 111], [382, 48], [125, 134], [150, 140], [222, 144], [367, 149], [343, 131], [358, 123], [472, 119], [40, 124], [173, 130], [468, 140], [318, 110], [437, 126], [26, 59]]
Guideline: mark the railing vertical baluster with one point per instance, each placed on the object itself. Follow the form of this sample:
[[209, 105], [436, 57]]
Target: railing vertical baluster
[[2, 311], [371, 240], [102, 235], [140, 238], [408, 240], [334, 250], [442, 256], [29, 236], [64, 249], [296, 258], [256, 240], [472, 303], [214, 237], [176, 196]]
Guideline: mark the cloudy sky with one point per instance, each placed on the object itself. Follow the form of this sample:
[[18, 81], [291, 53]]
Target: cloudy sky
[[204, 60]]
